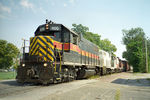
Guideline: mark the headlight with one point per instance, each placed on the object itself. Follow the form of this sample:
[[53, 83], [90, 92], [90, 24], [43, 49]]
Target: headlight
[[47, 26], [23, 65], [45, 64]]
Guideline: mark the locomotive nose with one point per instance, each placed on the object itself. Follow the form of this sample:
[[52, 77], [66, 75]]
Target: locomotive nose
[[43, 47]]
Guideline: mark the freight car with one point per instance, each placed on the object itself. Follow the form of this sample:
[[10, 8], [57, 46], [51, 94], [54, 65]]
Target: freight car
[[57, 54], [126, 66], [109, 63], [105, 62]]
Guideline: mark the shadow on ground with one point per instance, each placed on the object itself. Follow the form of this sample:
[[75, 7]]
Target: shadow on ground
[[133, 82], [12, 83], [15, 83]]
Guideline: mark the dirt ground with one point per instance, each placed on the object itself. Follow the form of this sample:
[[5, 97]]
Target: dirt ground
[[120, 86]]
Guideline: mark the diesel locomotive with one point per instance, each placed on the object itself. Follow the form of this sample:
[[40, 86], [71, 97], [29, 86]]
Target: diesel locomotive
[[58, 54]]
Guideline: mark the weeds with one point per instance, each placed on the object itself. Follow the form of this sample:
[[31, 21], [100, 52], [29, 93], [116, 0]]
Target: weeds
[[94, 77], [148, 79], [117, 95]]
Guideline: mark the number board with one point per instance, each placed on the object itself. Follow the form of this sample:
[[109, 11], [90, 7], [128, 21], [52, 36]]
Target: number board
[[42, 29], [55, 27]]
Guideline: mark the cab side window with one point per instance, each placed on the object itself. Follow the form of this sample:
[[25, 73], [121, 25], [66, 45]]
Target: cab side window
[[71, 38], [74, 39], [57, 36], [66, 36]]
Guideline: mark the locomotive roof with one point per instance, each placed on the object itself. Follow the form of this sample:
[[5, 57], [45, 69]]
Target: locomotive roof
[[70, 30], [62, 26]]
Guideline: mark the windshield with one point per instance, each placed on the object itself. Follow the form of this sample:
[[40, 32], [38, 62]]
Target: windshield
[[57, 36]]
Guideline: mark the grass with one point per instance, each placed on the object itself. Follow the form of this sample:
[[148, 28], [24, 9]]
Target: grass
[[7, 75], [94, 77], [117, 95], [136, 73], [148, 79]]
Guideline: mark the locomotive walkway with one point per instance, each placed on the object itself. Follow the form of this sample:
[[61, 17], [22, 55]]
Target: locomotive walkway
[[120, 86]]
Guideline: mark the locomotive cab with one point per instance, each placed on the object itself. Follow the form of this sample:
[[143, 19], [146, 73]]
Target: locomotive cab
[[57, 37], [59, 32]]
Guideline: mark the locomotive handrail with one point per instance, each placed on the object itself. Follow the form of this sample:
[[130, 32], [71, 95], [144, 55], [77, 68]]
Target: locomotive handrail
[[60, 61], [55, 63]]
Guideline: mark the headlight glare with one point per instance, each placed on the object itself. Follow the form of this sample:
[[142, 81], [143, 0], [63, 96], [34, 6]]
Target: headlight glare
[[45, 64], [23, 65]]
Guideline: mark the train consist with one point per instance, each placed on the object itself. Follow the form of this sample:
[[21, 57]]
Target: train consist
[[57, 54]]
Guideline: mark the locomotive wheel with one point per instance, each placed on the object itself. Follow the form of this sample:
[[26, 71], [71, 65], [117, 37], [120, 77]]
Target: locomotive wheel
[[20, 81], [46, 76], [68, 75], [98, 71]]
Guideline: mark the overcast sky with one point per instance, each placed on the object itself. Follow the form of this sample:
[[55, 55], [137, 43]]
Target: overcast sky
[[20, 18]]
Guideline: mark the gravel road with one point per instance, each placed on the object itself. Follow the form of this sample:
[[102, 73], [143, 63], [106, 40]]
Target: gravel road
[[120, 86]]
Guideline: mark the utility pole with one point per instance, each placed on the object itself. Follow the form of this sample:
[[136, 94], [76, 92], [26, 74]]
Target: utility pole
[[146, 55], [24, 47]]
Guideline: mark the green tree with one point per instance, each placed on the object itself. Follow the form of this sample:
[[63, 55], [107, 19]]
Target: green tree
[[8, 54], [94, 37], [107, 46], [134, 39], [80, 29]]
